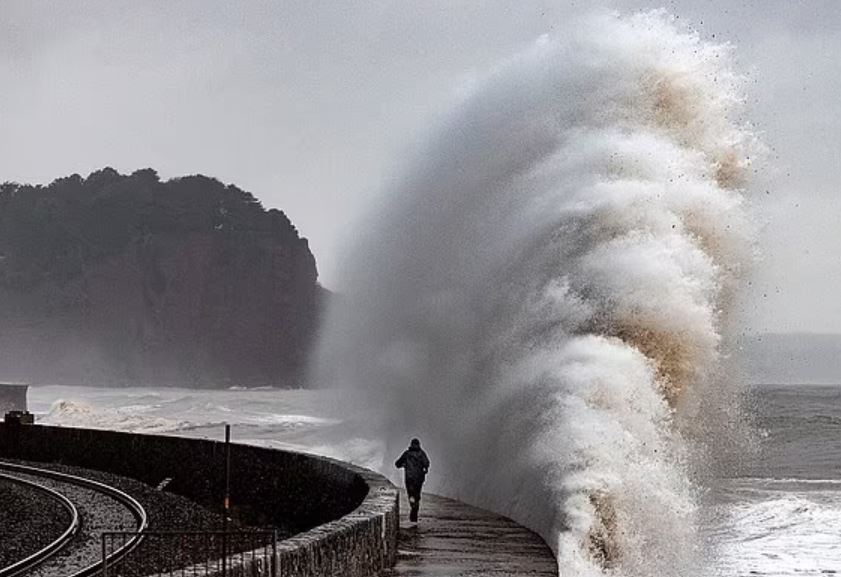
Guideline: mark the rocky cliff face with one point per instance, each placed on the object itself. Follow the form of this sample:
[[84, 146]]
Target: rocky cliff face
[[119, 279]]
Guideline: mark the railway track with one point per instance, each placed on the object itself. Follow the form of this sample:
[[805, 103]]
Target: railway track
[[23, 565], [94, 508]]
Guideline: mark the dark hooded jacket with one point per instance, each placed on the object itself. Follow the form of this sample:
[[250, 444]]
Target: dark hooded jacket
[[415, 462]]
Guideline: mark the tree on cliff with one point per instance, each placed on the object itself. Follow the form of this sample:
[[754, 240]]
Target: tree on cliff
[[127, 278]]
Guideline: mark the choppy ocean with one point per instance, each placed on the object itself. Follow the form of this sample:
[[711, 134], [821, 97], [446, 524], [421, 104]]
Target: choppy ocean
[[780, 515]]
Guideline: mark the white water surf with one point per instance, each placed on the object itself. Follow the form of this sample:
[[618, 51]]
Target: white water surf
[[543, 298]]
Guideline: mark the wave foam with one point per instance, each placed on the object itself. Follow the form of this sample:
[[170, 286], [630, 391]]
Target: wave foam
[[78, 414], [544, 297]]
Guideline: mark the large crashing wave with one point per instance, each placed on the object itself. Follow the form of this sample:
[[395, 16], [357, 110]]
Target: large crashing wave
[[542, 299]]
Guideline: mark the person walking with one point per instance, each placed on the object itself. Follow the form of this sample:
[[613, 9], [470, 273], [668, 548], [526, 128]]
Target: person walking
[[415, 464]]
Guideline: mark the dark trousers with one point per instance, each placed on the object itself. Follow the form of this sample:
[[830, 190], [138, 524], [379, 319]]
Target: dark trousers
[[413, 489]]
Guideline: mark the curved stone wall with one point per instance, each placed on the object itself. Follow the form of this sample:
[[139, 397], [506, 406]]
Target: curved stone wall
[[345, 518]]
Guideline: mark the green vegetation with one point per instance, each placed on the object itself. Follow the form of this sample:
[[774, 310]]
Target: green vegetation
[[56, 231]]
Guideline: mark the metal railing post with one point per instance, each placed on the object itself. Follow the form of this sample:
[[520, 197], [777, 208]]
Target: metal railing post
[[227, 503], [275, 561], [178, 554]]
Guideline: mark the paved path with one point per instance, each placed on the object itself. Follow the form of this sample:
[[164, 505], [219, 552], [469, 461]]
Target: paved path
[[454, 540]]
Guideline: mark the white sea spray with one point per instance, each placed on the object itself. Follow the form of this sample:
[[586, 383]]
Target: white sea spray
[[543, 299]]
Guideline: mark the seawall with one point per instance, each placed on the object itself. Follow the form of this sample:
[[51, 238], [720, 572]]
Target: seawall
[[12, 398], [345, 517]]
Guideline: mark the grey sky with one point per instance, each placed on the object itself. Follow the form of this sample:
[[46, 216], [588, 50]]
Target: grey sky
[[309, 105]]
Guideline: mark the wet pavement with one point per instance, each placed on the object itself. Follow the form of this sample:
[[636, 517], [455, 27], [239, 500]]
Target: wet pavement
[[453, 540]]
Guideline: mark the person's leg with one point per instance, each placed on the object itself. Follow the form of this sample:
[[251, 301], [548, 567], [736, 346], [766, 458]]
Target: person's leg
[[418, 493], [414, 501]]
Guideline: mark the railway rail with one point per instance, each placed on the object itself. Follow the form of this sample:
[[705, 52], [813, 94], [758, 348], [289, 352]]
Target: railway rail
[[94, 508], [23, 565]]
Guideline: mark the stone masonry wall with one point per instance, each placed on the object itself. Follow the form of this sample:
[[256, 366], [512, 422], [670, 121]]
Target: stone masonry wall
[[345, 517]]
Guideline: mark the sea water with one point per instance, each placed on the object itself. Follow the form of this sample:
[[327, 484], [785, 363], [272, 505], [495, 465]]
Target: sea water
[[778, 515]]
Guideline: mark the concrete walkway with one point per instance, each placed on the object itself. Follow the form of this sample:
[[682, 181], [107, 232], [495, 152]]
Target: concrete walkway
[[454, 539]]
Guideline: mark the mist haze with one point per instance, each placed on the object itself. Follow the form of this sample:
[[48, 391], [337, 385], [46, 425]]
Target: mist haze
[[311, 106]]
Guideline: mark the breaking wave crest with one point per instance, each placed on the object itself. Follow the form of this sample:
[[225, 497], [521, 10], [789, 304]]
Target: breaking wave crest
[[544, 296], [67, 413]]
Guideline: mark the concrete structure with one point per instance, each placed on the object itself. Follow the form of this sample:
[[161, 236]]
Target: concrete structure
[[12, 398], [345, 517], [457, 540]]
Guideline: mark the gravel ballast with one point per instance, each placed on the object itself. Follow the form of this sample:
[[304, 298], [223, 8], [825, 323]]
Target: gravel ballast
[[29, 521], [166, 512], [98, 511]]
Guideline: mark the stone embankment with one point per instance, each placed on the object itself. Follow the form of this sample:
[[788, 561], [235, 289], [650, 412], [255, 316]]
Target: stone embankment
[[456, 540], [344, 519], [338, 519]]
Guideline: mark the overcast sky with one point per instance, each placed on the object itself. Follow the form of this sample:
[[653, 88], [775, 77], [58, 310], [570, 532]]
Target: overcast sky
[[309, 105]]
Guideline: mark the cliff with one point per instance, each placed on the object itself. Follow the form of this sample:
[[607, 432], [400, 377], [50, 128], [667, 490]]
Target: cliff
[[116, 279]]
